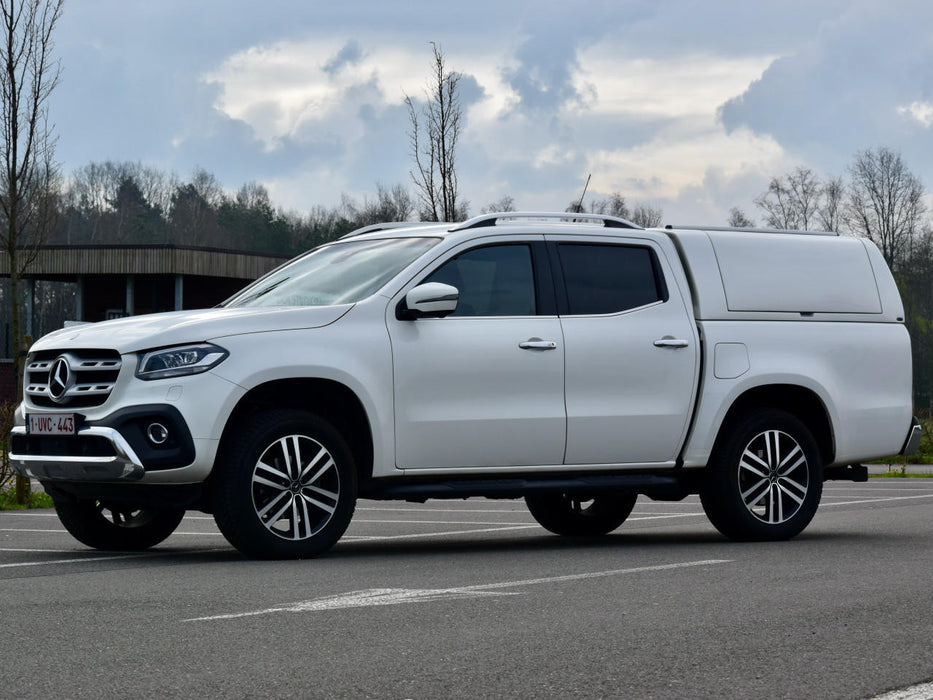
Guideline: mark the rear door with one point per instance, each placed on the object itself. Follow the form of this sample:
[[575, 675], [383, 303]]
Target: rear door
[[631, 351]]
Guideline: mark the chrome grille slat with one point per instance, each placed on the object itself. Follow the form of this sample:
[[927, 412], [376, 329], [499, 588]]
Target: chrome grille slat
[[94, 375]]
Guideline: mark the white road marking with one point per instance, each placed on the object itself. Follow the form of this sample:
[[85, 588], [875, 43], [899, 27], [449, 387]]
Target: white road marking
[[444, 510], [433, 522], [924, 691], [65, 532], [876, 500], [112, 557], [370, 538], [375, 597]]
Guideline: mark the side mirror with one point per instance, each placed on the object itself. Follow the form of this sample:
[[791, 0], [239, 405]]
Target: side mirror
[[431, 300]]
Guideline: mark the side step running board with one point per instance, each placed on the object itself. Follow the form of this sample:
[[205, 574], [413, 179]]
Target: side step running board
[[516, 488]]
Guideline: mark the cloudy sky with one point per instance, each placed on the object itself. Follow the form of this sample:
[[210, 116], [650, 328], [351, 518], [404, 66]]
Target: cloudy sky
[[684, 104]]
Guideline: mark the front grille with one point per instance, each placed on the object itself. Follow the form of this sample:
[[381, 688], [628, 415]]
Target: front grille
[[87, 381]]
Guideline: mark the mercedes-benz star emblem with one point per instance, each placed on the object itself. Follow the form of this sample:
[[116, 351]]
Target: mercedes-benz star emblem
[[59, 379]]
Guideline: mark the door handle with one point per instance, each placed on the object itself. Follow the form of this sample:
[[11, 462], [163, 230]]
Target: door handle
[[538, 344], [670, 342]]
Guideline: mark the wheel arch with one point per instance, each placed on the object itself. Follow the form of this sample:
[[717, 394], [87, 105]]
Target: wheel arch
[[344, 411], [801, 402]]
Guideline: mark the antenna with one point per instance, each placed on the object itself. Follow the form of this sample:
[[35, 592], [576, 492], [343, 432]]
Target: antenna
[[579, 207]]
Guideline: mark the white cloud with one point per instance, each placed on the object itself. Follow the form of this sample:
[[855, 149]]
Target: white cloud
[[661, 168], [667, 87], [279, 89], [921, 112]]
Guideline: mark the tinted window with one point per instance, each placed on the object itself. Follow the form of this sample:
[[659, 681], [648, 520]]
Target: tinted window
[[605, 279], [493, 281]]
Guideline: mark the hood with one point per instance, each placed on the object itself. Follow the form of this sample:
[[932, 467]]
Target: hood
[[137, 333]]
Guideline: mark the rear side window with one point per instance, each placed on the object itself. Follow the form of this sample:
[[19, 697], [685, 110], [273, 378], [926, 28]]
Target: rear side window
[[606, 279]]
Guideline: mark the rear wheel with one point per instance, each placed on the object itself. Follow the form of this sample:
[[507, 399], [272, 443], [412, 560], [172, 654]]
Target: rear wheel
[[114, 526], [288, 489], [765, 480], [579, 516]]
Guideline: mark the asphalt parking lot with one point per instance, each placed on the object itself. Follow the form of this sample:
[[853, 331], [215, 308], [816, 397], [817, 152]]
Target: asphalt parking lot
[[474, 599]]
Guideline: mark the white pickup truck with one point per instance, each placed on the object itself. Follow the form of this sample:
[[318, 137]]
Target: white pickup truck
[[575, 362]]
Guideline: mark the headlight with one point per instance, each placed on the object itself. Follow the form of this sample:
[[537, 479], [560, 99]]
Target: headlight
[[180, 361]]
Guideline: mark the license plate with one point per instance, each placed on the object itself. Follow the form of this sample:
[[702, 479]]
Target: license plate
[[50, 424]]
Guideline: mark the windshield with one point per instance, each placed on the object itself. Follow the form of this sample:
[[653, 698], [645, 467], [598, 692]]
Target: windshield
[[339, 273]]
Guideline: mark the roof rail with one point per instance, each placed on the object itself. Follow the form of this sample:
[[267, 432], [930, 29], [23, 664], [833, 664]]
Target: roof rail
[[570, 217], [385, 226], [751, 229]]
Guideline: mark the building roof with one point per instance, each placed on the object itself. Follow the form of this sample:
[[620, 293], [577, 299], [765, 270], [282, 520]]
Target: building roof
[[58, 260]]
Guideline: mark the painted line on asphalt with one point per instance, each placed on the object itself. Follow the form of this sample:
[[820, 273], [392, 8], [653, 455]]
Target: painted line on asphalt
[[112, 557], [924, 691], [432, 522], [444, 510], [374, 538], [59, 531], [375, 597], [876, 500]]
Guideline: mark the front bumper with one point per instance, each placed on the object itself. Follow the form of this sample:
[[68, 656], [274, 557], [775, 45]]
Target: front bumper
[[122, 465], [113, 449]]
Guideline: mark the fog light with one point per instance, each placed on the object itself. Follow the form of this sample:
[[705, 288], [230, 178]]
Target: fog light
[[157, 433]]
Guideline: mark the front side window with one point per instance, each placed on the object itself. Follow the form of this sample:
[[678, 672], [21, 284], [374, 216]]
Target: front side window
[[493, 281], [339, 273], [606, 279]]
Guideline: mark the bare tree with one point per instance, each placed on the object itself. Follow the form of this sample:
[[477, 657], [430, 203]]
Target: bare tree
[[391, 204], [647, 216], [829, 214], [434, 142], [792, 201], [615, 205], [738, 219], [504, 203], [885, 202], [29, 178]]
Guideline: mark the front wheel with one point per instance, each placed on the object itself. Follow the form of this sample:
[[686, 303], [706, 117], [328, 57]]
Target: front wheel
[[117, 527], [576, 516], [765, 480], [288, 487]]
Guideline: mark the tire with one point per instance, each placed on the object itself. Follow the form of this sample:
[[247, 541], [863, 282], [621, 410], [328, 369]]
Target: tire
[[576, 516], [765, 480], [287, 489], [117, 527]]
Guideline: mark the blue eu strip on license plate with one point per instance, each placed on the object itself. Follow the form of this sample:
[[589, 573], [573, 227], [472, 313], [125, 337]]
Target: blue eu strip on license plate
[[50, 423]]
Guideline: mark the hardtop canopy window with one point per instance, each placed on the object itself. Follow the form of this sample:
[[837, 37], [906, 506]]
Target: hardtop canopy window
[[338, 273]]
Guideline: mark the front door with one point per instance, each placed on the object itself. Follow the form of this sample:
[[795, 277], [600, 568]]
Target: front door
[[484, 386]]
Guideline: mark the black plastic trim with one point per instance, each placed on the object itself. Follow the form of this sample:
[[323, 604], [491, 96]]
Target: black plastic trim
[[131, 423], [516, 487]]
